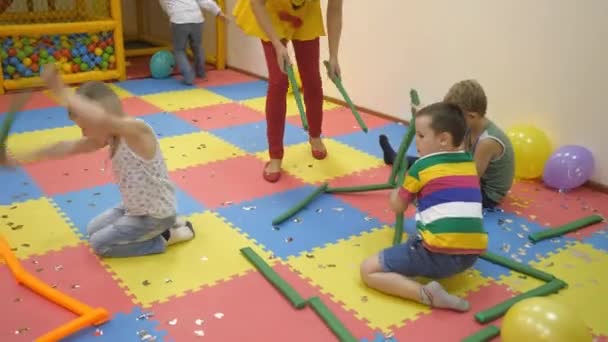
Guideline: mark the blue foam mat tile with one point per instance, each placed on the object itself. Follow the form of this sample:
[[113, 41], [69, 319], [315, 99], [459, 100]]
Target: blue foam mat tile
[[83, 205], [134, 326], [326, 220], [369, 143], [241, 91], [150, 86], [168, 125], [599, 239], [508, 237], [252, 138], [379, 337], [39, 119], [17, 186], [187, 205]]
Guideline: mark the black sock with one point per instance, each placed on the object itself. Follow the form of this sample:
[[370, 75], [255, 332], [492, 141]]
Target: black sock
[[389, 153], [166, 234]]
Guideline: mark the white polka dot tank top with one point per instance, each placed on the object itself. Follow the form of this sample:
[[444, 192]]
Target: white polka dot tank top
[[144, 184]]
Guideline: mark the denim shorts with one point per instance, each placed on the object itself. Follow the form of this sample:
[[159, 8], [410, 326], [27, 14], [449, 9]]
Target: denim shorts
[[411, 259]]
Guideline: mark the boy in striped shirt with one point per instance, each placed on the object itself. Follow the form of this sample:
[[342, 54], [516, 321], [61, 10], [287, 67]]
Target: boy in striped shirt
[[445, 186]]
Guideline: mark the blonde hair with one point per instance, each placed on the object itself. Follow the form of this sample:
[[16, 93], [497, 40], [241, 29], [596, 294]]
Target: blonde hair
[[103, 95], [469, 96]]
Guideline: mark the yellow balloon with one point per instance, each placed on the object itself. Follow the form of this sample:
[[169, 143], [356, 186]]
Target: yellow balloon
[[543, 319], [531, 148]]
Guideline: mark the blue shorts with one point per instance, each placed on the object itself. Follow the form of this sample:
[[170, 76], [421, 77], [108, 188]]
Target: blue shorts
[[411, 259]]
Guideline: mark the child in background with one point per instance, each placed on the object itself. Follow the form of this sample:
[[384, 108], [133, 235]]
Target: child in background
[[449, 222], [187, 23], [145, 222], [490, 146]]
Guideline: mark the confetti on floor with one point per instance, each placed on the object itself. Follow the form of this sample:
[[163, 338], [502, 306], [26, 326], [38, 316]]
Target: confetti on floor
[[213, 136]]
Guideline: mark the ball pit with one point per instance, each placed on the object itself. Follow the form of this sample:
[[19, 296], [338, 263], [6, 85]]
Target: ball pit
[[23, 56]]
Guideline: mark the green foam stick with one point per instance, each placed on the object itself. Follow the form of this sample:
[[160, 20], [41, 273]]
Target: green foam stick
[[497, 311], [483, 335], [331, 320], [407, 140], [293, 210], [15, 107], [286, 290], [567, 228], [347, 99], [361, 188], [398, 229], [296, 93], [516, 266]]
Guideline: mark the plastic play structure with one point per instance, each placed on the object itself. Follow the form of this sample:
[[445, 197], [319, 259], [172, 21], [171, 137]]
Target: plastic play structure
[[87, 315], [147, 32], [84, 38]]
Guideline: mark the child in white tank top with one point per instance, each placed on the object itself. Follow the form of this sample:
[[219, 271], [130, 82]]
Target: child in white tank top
[[146, 221]]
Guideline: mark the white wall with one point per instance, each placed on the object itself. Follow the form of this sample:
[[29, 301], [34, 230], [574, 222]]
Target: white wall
[[543, 62]]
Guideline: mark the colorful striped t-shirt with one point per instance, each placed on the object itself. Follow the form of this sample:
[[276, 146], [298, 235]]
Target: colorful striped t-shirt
[[449, 206]]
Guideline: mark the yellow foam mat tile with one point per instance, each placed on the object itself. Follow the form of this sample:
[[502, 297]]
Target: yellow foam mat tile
[[259, 104], [341, 160], [195, 149], [212, 256], [35, 227], [122, 94], [585, 270], [335, 270], [21, 144], [184, 99]]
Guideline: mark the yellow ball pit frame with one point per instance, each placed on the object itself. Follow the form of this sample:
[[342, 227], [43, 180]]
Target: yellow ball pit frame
[[114, 24]]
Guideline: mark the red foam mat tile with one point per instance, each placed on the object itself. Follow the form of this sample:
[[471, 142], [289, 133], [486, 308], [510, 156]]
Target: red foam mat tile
[[220, 116]]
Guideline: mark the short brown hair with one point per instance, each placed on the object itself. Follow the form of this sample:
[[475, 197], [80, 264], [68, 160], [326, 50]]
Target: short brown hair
[[102, 94], [469, 96], [446, 117]]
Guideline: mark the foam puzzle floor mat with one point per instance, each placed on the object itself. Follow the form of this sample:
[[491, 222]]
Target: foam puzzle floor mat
[[213, 136]]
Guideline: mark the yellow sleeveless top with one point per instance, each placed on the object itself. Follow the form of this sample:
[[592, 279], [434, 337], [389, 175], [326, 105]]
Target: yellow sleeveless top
[[304, 23]]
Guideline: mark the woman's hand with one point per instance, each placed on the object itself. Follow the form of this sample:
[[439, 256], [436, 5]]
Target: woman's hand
[[282, 56], [334, 70]]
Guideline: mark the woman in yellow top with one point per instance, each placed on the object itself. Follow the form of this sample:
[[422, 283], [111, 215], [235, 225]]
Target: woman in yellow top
[[275, 22]]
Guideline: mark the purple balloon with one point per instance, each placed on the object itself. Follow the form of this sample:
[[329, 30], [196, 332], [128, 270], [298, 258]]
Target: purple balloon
[[569, 167]]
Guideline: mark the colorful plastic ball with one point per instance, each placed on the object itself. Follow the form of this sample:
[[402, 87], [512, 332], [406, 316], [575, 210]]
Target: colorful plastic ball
[[28, 50], [13, 61], [95, 38], [28, 73], [21, 68], [21, 54], [162, 64], [67, 67], [27, 61], [112, 59], [77, 60], [531, 148], [84, 66], [105, 57], [98, 51], [110, 50], [98, 60], [18, 45], [10, 69], [35, 58], [35, 68], [569, 167], [104, 65], [44, 53], [75, 68]]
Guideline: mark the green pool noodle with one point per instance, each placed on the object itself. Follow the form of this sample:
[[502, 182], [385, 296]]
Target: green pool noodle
[[398, 229], [407, 140], [516, 266], [286, 290], [296, 93], [361, 188], [11, 115], [483, 335], [347, 99], [331, 320], [6, 128], [289, 213], [497, 311], [567, 228]]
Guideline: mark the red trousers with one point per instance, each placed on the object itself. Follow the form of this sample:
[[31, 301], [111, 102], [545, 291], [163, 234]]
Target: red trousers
[[307, 58]]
